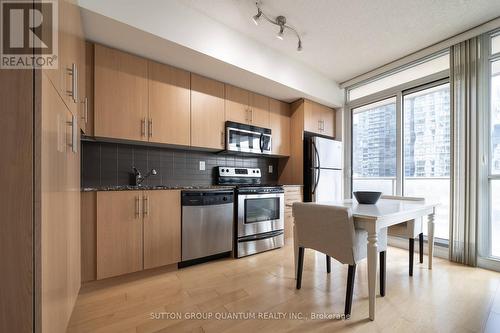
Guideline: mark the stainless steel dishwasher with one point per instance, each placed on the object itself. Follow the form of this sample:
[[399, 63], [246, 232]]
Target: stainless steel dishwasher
[[207, 224]]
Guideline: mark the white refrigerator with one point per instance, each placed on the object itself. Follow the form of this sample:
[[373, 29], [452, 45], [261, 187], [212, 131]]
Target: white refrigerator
[[323, 169]]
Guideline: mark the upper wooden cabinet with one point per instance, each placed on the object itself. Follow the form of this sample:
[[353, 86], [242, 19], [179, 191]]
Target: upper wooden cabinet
[[237, 109], [70, 74], [137, 230], [169, 104], [87, 118], [243, 106], [279, 119], [319, 119], [259, 110], [207, 112], [120, 94]]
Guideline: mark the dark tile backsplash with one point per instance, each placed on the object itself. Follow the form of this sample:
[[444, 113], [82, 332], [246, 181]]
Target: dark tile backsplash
[[108, 164]]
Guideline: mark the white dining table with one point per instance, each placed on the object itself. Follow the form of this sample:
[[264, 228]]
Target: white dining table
[[385, 213]]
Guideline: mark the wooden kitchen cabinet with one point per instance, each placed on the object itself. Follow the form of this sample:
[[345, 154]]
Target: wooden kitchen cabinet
[[236, 101], [259, 110], [136, 230], [87, 118], [246, 107], [162, 228], [119, 233], [60, 210], [293, 193], [279, 120], [120, 94], [69, 75], [319, 119], [207, 113], [169, 104]]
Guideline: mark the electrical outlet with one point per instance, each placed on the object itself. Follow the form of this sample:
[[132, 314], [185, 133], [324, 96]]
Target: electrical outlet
[[202, 165], [270, 168]]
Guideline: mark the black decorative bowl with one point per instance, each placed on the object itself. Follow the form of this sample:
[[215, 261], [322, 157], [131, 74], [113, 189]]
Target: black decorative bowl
[[367, 197]]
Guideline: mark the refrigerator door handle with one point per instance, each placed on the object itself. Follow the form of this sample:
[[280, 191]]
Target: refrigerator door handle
[[318, 169]]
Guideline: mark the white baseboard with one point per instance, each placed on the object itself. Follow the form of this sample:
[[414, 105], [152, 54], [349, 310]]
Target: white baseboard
[[402, 243]]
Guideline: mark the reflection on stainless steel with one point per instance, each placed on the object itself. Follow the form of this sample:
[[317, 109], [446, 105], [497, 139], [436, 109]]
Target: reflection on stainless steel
[[271, 219], [207, 223], [246, 248]]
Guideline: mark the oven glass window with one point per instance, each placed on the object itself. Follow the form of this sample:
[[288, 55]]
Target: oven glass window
[[262, 209]]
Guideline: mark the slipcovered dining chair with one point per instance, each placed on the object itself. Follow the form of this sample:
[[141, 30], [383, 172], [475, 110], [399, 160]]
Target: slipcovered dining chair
[[409, 229], [330, 230]]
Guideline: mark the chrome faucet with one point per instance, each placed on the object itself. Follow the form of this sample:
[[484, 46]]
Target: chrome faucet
[[139, 178]]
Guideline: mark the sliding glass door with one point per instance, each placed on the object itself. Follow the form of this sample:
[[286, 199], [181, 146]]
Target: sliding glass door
[[401, 146], [426, 150], [374, 147]]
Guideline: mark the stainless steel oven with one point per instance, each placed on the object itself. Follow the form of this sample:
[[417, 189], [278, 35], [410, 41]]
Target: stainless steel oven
[[260, 209], [260, 219], [248, 139]]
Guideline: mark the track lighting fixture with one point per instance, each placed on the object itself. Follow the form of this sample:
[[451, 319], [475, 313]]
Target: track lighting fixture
[[257, 16], [280, 21]]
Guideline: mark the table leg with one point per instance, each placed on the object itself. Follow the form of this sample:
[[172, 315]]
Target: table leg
[[295, 253], [372, 270], [430, 237]]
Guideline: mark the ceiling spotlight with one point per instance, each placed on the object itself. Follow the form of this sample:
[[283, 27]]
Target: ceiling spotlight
[[280, 21], [256, 17], [280, 34]]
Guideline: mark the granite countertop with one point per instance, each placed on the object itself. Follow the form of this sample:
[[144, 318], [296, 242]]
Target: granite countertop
[[154, 187]]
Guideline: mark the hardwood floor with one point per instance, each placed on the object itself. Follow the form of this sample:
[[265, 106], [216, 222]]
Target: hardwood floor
[[450, 298]]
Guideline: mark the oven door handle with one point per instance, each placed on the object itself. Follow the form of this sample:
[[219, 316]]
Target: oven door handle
[[265, 235]]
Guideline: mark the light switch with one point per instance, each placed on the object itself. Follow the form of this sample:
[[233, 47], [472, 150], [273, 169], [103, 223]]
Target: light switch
[[270, 168], [202, 165]]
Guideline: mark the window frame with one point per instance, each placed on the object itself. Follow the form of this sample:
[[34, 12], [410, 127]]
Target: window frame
[[485, 237], [397, 92]]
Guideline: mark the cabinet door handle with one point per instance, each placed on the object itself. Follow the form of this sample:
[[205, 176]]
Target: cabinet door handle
[[222, 138], [85, 116], [246, 115], [251, 115], [143, 127], [137, 207], [150, 128], [74, 133], [73, 72], [145, 205]]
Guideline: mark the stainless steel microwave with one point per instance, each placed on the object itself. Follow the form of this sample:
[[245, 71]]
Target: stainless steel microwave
[[247, 138]]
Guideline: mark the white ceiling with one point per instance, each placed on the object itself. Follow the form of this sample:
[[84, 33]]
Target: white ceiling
[[346, 38]]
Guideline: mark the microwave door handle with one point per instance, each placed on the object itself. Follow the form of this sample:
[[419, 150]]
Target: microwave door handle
[[261, 143]]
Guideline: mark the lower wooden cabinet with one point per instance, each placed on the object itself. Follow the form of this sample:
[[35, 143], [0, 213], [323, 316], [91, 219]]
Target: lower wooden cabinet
[[137, 230], [162, 228], [293, 193], [119, 233]]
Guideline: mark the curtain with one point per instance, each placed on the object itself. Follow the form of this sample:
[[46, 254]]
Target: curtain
[[464, 71]]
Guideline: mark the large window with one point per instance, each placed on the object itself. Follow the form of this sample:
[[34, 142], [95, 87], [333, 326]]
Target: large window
[[427, 150], [495, 155], [401, 141], [374, 147]]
